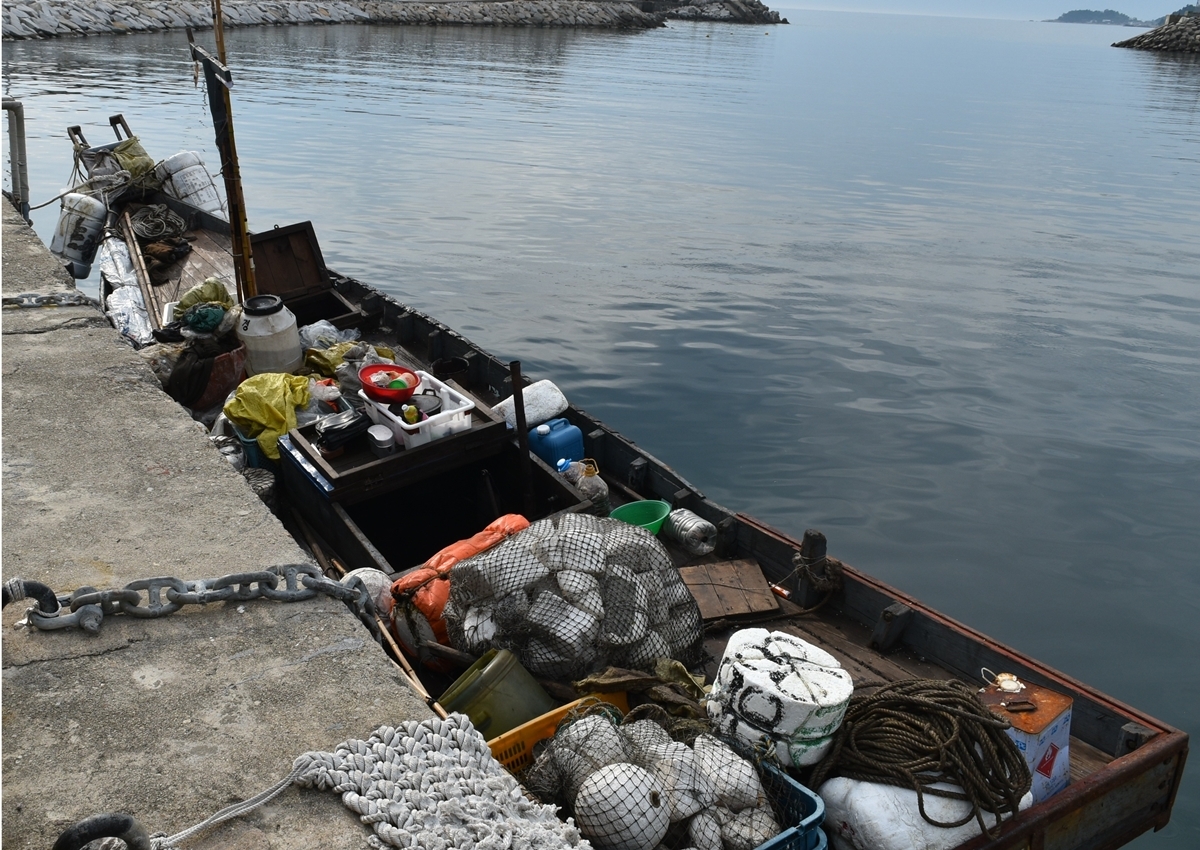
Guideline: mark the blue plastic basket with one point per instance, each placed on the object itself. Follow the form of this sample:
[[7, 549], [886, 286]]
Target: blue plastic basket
[[255, 458], [797, 808]]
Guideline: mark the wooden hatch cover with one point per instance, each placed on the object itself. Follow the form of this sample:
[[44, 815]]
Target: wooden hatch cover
[[729, 589], [288, 263]]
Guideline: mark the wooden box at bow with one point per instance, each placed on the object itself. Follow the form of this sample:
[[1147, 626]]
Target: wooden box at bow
[[288, 263]]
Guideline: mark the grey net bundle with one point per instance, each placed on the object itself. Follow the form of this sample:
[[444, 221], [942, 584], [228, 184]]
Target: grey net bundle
[[572, 594], [630, 786]]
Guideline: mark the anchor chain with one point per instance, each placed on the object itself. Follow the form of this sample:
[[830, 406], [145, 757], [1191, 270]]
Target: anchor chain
[[57, 299], [164, 595]]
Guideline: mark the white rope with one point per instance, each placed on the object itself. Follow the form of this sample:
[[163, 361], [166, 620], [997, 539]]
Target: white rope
[[230, 812], [431, 784]]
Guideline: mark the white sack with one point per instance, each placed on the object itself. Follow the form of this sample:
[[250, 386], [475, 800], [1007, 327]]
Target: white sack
[[871, 816]]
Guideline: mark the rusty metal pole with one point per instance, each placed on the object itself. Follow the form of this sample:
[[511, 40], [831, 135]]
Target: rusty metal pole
[[524, 466]]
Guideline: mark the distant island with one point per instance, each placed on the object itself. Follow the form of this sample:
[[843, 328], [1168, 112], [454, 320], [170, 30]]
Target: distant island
[[1091, 16], [1109, 16]]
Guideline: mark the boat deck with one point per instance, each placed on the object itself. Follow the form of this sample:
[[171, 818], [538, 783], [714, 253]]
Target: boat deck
[[848, 641], [211, 257]]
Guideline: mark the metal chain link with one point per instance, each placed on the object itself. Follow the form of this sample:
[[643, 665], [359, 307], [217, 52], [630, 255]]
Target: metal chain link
[[57, 299], [87, 607]]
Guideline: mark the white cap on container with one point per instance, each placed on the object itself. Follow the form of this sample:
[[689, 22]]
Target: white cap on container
[[543, 430]]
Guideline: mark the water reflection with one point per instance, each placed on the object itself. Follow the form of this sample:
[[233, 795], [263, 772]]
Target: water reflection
[[928, 285]]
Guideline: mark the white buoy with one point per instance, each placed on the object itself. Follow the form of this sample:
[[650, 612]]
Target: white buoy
[[184, 177], [622, 807], [77, 235]]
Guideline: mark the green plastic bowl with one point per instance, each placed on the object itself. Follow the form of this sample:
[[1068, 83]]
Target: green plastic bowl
[[649, 514]]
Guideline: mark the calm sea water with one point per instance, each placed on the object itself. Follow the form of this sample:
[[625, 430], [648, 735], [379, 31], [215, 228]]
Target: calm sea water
[[930, 285]]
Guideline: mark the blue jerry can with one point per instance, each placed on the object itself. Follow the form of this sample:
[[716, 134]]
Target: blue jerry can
[[556, 439]]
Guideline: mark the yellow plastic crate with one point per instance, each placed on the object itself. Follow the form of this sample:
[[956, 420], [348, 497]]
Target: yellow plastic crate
[[514, 749]]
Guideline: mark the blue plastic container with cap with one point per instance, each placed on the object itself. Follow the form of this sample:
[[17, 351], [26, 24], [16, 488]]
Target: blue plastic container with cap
[[556, 439]]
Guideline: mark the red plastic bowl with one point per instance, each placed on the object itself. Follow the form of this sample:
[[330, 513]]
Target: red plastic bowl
[[383, 394]]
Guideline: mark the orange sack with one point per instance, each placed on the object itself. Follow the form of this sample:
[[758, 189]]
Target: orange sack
[[427, 588]]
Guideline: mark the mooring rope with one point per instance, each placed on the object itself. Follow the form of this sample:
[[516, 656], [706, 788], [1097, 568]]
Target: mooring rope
[[918, 732], [420, 784]]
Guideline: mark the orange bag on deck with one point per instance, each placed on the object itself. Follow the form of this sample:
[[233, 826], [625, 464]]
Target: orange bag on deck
[[421, 594]]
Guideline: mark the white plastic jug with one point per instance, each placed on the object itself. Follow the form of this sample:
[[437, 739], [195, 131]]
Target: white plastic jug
[[77, 235], [184, 177], [269, 332]]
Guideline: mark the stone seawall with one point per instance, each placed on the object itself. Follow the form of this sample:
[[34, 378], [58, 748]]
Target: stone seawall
[[1181, 36], [32, 19]]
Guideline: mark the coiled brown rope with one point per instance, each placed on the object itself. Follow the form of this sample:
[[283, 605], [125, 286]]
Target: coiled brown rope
[[917, 732]]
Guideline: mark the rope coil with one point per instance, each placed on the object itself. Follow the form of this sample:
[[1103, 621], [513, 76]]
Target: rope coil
[[918, 732], [156, 221]]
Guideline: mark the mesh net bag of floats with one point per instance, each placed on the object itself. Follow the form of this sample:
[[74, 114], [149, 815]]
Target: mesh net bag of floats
[[632, 786], [572, 594]]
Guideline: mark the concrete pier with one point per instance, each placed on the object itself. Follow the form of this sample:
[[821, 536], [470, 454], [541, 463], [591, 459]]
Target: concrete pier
[[106, 480]]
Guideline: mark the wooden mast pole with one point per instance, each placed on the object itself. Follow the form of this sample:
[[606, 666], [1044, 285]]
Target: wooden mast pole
[[222, 111]]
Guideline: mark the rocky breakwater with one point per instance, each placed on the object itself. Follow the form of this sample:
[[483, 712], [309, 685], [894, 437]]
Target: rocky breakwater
[[728, 11], [30, 19], [25, 19], [1179, 34]]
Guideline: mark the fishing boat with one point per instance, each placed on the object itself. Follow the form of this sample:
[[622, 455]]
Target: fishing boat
[[1125, 767]]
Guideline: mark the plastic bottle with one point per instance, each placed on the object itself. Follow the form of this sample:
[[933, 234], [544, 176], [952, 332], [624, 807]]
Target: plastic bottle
[[698, 535], [555, 439], [585, 476]]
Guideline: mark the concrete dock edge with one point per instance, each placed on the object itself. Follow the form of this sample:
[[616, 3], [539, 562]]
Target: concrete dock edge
[[106, 480]]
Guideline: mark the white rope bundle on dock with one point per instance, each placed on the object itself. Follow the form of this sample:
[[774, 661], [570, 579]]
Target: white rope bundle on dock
[[432, 784]]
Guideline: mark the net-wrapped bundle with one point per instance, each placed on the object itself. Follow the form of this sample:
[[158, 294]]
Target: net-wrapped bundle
[[632, 787], [572, 594]]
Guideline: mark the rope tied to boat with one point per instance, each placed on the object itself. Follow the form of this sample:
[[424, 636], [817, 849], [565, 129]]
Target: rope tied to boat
[[918, 732], [811, 565]]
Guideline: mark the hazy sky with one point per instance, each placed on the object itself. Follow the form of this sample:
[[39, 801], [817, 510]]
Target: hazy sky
[[1037, 10]]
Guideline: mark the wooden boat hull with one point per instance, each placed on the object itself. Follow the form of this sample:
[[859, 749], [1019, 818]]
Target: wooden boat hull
[[1126, 766]]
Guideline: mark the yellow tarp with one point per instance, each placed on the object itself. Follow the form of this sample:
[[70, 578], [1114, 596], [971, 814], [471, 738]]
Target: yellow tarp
[[212, 291], [264, 407], [133, 157]]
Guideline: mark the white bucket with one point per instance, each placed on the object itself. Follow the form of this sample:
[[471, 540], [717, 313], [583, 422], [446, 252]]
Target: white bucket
[[77, 235], [184, 177], [269, 332]]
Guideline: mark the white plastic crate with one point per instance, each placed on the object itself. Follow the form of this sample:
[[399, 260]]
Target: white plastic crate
[[455, 415]]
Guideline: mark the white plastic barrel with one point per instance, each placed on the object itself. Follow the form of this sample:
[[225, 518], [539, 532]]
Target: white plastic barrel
[[778, 684], [269, 332], [184, 177], [77, 235]]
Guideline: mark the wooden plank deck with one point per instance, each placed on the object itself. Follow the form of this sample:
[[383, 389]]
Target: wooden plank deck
[[729, 589], [211, 256]]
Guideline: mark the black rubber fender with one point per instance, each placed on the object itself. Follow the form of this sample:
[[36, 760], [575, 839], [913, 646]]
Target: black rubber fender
[[110, 825], [17, 588]]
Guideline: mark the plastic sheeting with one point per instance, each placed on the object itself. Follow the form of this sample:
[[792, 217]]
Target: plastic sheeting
[[264, 407]]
